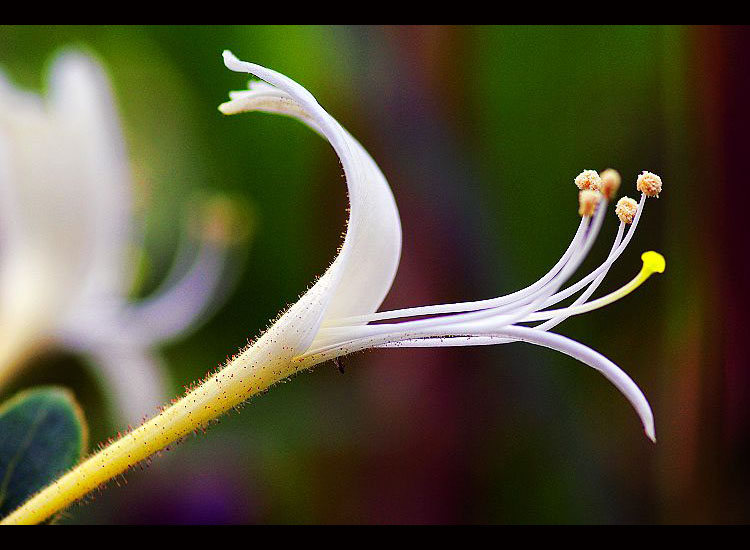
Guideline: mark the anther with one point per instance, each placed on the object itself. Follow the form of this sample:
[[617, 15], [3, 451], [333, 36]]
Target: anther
[[610, 183], [649, 184], [588, 179], [587, 201], [625, 209]]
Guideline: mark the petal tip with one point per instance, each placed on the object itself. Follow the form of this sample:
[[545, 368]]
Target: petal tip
[[225, 108], [231, 62]]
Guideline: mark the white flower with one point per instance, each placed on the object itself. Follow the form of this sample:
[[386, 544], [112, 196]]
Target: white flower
[[66, 230], [334, 317]]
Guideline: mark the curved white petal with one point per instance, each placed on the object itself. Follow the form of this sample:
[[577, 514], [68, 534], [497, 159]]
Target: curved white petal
[[585, 355], [472, 334], [362, 273]]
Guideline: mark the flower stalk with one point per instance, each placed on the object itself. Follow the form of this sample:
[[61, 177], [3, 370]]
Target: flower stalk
[[249, 373]]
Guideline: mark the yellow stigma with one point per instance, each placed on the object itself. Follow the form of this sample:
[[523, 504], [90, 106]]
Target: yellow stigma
[[653, 262]]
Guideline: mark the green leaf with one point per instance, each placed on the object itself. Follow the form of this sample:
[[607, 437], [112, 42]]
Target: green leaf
[[42, 434]]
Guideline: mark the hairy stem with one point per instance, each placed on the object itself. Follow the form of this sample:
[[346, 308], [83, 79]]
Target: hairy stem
[[246, 375]]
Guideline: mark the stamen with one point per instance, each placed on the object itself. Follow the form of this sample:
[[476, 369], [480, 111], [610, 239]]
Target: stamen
[[555, 284], [528, 297], [480, 322], [469, 325], [588, 179], [587, 201], [592, 287], [625, 209], [474, 305], [493, 317], [649, 184], [610, 183], [558, 297], [600, 274], [523, 306]]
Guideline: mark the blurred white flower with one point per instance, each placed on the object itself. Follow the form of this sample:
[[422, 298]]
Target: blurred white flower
[[67, 235]]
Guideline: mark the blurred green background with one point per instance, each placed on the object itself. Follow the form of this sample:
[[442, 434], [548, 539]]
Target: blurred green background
[[480, 132]]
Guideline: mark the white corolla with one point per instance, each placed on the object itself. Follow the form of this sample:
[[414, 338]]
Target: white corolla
[[338, 314], [66, 236]]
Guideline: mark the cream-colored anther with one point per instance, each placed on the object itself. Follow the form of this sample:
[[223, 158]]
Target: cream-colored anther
[[610, 183], [588, 179], [649, 184], [625, 209], [587, 201]]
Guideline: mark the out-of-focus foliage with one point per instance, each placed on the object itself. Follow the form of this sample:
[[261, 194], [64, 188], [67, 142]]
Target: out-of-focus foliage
[[42, 434]]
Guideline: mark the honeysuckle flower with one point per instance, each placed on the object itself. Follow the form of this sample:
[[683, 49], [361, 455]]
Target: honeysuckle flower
[[338, 314], [66, 234], [335, 316]]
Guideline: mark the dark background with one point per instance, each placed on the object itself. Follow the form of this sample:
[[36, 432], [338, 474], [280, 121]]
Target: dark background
[[480, 131]]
